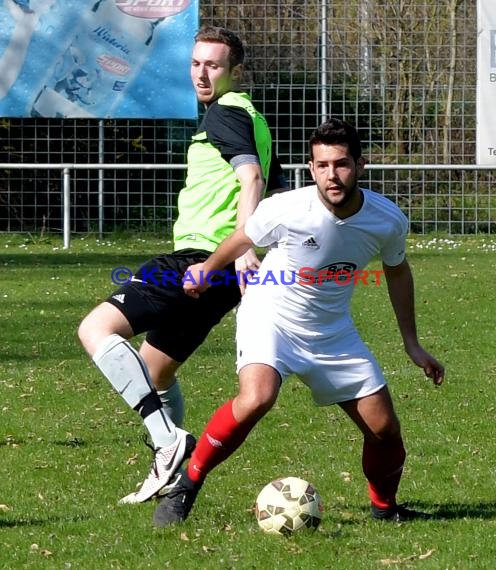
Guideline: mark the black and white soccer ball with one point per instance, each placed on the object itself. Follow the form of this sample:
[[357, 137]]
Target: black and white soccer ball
[[288, 505]]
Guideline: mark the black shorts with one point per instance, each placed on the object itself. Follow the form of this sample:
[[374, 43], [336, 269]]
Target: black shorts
[[154, 302]]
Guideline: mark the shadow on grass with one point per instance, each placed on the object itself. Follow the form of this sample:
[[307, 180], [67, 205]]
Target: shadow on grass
[[82, 260], [450, 511], [74, 442], [17, 358], [26, 522], [456, 511]]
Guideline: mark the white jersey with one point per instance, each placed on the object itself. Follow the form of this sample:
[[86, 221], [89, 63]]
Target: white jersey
[[306, 280]]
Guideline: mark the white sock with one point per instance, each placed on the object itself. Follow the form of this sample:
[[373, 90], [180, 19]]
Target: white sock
[[124, 368], [173, 403]]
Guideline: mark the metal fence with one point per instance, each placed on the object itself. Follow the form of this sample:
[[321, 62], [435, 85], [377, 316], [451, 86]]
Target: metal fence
[[403, 71]]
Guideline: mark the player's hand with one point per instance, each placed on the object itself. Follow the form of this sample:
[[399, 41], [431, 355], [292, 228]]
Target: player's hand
[[245, 266], [433, 369], [194, 280]]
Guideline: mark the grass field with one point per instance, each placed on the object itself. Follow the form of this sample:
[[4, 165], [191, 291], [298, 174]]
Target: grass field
[[70, 448]]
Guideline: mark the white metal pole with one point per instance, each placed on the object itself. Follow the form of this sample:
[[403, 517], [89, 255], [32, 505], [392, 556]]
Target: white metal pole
[[67, 207], [298, 177], [101, 158], [323, 60]]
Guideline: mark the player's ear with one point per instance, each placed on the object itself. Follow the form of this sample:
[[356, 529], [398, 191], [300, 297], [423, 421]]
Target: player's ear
[[310, 167], [361, 165], [237, 72]]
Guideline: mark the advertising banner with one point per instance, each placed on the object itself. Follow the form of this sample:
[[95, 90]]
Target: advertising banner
[[97, 59], [486, 82]]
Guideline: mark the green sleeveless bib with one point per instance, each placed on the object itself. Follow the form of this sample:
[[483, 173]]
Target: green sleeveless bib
[[208, 202]]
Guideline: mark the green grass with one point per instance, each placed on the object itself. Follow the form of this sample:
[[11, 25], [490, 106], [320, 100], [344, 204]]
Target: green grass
[[70, 448]]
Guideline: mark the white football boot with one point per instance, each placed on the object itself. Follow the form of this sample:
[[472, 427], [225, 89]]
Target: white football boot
[[166, 461]]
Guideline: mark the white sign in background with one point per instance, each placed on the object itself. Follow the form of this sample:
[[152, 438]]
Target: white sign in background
[[486, 82], [97, 58]]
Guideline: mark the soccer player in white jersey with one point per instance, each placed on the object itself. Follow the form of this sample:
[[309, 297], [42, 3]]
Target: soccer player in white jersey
[[320, 239]]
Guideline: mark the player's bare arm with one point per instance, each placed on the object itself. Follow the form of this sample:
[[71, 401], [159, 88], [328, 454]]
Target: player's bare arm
[[233, 247], [401, 293], [252, 187]]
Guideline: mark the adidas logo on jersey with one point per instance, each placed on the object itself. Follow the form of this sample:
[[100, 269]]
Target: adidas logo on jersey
[[119, 298], [310, 242]]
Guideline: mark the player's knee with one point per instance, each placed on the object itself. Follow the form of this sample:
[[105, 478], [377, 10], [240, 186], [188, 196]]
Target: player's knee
[[102, 321], [258, 390], [90, 333], [256, 403], [387, 431], [83, 333]]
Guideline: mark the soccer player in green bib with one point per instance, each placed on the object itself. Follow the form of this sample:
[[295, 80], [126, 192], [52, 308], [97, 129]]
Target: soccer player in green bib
[[231, 166]]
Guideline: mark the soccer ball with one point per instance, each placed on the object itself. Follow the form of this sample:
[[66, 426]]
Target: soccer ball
[[287, 505]]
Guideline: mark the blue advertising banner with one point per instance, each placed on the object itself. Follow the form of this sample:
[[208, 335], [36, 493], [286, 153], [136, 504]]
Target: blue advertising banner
[[486, 82], [97, 59]]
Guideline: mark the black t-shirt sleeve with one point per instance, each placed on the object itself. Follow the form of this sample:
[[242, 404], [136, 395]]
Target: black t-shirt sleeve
[[230, 130], [276, 176]]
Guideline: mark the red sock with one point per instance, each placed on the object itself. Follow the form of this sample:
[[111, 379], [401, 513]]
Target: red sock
[[383, 466], [220, 439]]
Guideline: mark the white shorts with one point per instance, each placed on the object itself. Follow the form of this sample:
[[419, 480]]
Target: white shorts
[[336, 369]]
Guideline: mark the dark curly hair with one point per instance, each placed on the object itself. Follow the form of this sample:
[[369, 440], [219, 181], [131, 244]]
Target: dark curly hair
[[335, 131]]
